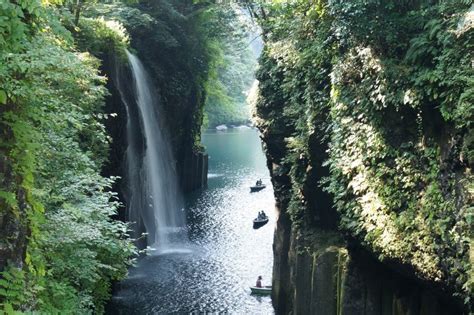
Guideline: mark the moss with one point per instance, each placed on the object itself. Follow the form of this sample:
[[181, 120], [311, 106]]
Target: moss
[[368, 99]]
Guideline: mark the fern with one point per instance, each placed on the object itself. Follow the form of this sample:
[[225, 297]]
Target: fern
[[12, 288], [9, 197]]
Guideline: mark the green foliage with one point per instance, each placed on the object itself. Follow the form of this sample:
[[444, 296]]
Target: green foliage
[[97, 36], [56, 143], [12, 288], [232, 64], [14, 22], [383, 92], [172, 40]]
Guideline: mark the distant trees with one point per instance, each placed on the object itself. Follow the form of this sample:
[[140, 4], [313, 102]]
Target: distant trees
[[232, 64]]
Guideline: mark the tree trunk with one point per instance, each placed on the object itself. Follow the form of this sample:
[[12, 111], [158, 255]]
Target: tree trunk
[[77, 12]]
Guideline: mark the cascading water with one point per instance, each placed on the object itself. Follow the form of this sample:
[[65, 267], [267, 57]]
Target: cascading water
[[154, 199]]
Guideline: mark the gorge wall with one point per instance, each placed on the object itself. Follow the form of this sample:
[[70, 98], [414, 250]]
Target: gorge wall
[[366, 115], [60, 248], [62, 139], [171, 47]]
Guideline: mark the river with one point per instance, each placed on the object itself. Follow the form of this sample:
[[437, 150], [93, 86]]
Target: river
[[225, 254]]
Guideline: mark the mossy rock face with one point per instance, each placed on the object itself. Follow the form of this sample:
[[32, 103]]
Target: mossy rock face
[[327, 274], [168, 39], [468, 148], [369, 120], [14, 209], [330, 278]]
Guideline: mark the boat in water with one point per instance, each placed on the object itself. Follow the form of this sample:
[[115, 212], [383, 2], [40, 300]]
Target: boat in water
[[266, 290], [260, 221], [258, 186]]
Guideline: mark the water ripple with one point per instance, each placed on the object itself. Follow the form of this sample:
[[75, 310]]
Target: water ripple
[[212, 273]]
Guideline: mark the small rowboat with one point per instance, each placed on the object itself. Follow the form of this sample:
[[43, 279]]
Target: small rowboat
[[260, 222], [257, 188], [266, 290]]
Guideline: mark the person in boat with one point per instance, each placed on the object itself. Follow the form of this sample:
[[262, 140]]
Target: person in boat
[[259, 282], [259, 215], [259, 182], [264, 215]]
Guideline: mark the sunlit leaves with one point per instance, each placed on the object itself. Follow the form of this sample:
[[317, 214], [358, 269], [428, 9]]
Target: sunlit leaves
[[17, 21], [75, 248], [395, 81]]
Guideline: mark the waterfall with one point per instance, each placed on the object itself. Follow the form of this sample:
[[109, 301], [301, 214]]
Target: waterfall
[[154, 199]]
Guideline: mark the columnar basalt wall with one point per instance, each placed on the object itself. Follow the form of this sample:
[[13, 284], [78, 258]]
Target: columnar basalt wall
[[371, 165], [332, 278]]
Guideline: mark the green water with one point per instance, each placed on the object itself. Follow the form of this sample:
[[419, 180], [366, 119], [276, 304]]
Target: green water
[[225, 254]]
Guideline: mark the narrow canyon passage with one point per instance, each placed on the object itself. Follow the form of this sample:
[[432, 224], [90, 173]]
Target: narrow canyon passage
[[225, 254], [132, 134]]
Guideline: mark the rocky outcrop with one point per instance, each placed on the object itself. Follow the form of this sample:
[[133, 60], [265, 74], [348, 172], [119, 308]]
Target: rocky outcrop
[[179, 90], [320, 270], [333, 278], [14, 208], [193, 172], [191, 165], [370, 168], [14, 228], [165, 40]]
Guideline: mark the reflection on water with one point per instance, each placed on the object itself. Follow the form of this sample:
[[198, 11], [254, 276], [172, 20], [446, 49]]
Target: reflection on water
[[225, 254]]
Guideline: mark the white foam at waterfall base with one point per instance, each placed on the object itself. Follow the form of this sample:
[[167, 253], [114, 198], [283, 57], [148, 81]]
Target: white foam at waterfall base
[[154, 192], [181, 250]]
